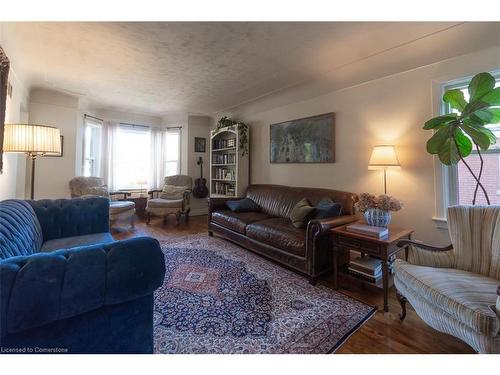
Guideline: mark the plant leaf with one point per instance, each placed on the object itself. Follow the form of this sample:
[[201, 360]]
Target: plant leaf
[[463, 142], [435, 143], [455, 98], [478, 135], [492, 97], [488, 115], [440, 120], [474, 106], [481, 84], [448, 153]]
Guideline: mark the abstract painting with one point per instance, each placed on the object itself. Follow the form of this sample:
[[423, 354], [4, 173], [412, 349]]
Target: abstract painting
[[306, 140]]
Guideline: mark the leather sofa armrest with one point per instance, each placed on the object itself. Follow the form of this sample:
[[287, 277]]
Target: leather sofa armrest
[[324, 225], [45, 287]]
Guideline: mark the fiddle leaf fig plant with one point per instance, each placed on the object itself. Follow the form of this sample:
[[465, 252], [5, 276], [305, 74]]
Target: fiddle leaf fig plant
[[455, 134]]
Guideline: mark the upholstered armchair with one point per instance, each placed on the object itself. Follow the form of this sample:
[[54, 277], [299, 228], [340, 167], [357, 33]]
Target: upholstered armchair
[[173, 199], [119, 210], [455, 289]]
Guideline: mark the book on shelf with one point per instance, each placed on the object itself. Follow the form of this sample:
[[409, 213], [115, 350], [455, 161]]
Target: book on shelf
[[365, 276], [367, 264], [368, 230], [223, 143]]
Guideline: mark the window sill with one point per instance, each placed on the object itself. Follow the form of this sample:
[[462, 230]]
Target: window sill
[[441, 222]]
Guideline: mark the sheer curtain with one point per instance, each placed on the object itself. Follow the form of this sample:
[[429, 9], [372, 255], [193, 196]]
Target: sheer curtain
[[108, 159], [158, 162]]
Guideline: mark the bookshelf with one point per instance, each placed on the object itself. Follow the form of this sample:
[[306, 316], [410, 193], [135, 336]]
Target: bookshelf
[[229, 170]]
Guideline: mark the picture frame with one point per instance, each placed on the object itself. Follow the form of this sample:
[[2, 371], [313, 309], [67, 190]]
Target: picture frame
[[200, 144], [55, 154], [306, 140]]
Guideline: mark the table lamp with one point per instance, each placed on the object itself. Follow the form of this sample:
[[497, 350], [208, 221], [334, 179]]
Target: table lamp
[[34, 141], [384, 157]]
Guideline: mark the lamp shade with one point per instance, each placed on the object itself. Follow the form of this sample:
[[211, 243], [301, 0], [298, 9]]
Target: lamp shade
[[383, 156], [31, 139]]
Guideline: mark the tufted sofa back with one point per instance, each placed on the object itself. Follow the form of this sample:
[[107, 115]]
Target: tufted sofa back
[[279, 200], [72, 217], [20, 230]]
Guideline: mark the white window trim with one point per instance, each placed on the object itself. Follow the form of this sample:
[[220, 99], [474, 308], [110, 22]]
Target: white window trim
[[445, 177]]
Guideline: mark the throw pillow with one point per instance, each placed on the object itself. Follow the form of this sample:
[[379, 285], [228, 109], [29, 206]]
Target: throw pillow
[[301, 213], [173, 192], [327, 208], [243, 205]]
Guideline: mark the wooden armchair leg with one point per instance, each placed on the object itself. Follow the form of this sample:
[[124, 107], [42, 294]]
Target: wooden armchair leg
[[402, 301], [148, 218], [186, 215], [177, 217]]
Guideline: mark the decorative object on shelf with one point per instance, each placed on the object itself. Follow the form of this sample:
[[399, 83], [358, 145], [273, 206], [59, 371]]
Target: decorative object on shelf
[[4, 75], [200, 144], [200, 184], [455, 134], [384, 157], [306, 140], [228, 162], [226, 122], [34, 141], [377, 210]]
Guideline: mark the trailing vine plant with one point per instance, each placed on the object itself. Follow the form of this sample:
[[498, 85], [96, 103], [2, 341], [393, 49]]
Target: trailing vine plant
[[456, 133], [225, 122]]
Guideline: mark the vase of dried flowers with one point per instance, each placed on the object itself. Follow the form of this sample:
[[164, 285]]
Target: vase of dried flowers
[[377, 210]]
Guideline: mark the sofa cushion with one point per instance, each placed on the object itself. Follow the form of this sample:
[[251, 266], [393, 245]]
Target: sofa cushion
[[326, 208], [279, 233], [243, 205], [77, 241], [300, 213], [20, 231], [468, 297], [237, 221], [173, 192]]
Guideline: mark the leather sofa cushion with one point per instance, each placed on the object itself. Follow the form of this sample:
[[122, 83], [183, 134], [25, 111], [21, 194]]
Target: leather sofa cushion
[[279, 233], [237, 221], [77, 241]]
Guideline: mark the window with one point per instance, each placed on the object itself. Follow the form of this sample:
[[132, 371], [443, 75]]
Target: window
[[172, 151], [132, 157], [92, 146], [462, 184]]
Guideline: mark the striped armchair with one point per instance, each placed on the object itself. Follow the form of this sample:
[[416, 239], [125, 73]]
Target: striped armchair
[[455, 289]]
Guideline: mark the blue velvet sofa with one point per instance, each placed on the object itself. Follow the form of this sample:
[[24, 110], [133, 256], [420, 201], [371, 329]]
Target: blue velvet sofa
[[67, 287]]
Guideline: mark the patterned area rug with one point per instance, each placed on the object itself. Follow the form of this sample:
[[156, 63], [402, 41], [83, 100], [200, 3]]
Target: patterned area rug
[[220, 298]]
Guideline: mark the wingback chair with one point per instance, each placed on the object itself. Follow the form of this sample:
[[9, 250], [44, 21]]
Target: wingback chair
[[173, 199], [119, 210], [455, 289]]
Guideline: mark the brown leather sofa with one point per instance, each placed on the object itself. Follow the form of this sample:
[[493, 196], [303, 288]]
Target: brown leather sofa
[[270, 232]]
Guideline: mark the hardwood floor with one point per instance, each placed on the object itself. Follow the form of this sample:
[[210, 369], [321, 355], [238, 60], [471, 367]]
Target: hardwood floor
[[383, 333]]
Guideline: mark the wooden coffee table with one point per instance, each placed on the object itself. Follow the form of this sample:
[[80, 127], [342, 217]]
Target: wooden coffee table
[[384, 249]]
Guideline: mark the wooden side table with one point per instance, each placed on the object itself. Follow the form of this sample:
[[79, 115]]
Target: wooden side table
[[384, 249], [140, 205]]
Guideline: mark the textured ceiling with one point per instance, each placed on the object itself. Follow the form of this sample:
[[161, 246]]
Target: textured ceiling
[[157, 68]]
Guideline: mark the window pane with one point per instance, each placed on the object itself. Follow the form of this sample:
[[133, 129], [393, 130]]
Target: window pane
[[172, 168], [132, 164], [172, 153], [490, 179], [92, 148]]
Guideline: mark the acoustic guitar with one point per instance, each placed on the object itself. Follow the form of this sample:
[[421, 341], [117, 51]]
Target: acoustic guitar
[[200, 189]]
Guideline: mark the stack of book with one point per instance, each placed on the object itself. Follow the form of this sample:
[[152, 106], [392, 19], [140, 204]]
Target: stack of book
[[367, 268], [368, 230]]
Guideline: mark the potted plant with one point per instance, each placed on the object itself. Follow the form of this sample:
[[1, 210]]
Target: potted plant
[[377, 210], [242, 132], [455, 134]]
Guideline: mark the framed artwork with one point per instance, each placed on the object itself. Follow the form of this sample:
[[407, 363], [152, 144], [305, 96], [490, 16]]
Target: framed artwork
[[200, 144], [56, 155], [4, 76], [306, 140]]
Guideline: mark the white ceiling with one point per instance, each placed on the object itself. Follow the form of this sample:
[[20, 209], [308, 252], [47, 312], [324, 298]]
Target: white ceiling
[[158, 68]]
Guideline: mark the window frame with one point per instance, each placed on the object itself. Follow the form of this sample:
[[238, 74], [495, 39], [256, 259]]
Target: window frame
[[446, 177], [89, 121], [178, 131]]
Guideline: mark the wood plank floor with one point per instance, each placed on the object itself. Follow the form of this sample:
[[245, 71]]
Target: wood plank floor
[[383, 333]]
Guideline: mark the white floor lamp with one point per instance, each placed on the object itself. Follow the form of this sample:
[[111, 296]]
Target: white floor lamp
[[384, 157], [34, 141]]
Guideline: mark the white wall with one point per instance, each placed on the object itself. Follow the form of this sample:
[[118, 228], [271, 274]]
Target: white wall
[[198, 126], [389, 110], [62, 111]]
